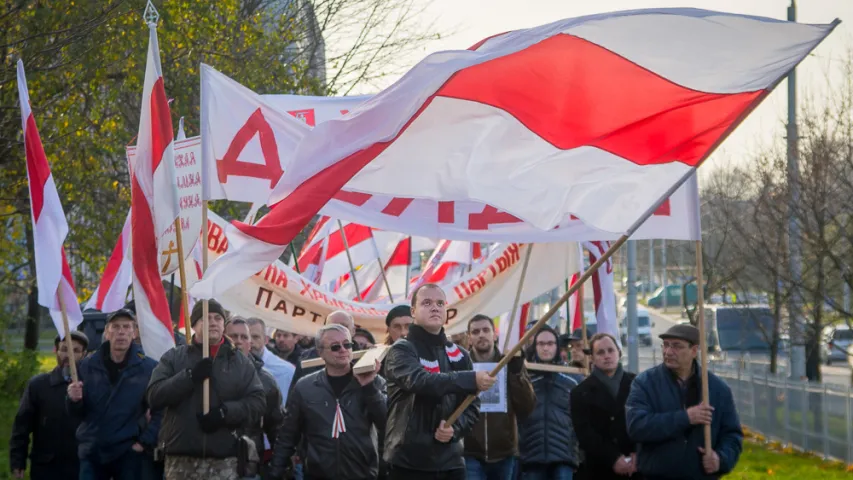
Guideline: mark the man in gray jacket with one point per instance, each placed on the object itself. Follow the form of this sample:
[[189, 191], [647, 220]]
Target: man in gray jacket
[[198, 445], [335, 413]]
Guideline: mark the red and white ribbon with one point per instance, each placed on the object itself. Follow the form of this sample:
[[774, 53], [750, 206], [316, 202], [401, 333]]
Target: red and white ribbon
[[338, 426]]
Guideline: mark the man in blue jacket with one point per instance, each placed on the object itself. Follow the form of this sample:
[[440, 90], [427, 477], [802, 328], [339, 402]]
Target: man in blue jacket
[[109, 398], [666, 415]]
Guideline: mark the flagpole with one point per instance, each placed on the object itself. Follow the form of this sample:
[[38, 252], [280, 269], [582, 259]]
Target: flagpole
[[185, 301], [583, 326], [517, 300], [295, 258], [72, 363], [381, 268], [572, 289], [703, 340], [349, 259], [205, 345], [409, 267], [568, 313]]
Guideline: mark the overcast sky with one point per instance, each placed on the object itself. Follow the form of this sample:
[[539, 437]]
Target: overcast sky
[[472, 20]]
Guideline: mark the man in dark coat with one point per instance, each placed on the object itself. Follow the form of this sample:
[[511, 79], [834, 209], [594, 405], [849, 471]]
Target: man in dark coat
[[109, 398], [598, 413], [428, 378], [42, 413], [666, 415]]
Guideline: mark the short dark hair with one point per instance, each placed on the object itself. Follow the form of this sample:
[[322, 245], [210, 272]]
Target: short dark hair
[[602, 336], [426, 285], [481, 318], [252, 321]]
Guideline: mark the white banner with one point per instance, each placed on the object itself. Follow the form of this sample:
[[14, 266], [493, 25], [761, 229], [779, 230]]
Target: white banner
[[286, 300], [249, 143], [188, 171]]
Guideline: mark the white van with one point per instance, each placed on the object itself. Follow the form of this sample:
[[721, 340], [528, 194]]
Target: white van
[[644, 330]]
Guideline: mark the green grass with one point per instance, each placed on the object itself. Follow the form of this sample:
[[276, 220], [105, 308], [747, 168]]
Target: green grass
[[758, 461]]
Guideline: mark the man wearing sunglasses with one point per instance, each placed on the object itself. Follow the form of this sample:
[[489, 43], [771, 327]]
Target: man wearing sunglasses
[[335, 413], [666, 415]]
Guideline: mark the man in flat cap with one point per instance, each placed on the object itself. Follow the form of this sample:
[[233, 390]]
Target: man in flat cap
[[666, 415]]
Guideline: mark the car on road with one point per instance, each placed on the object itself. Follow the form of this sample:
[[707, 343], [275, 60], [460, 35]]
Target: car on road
[[838, 340], [644, 327]]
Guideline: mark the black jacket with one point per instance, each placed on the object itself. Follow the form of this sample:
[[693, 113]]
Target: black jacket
[[547, 436], [428, 377], [234, 383], [273, 415], [495, 436], [599, 421], [310, 416], [42, 413]]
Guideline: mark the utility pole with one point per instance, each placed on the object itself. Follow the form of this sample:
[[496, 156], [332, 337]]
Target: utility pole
[[795, 315], [651, 266], [633, 327]]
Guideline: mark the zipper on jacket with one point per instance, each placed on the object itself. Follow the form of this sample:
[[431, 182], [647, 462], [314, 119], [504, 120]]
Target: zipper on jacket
[[337, 440], [486, 433]]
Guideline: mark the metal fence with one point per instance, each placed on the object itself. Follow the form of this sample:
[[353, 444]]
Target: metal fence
[[813, 417]]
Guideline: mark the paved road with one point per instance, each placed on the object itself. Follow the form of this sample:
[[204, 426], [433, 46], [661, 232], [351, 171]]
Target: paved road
[[837, 374]]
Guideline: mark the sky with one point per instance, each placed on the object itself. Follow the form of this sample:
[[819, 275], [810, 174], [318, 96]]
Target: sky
[[468, 21]]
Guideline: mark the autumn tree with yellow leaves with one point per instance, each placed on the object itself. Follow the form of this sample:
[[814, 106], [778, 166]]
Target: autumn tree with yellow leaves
[[85, 63]]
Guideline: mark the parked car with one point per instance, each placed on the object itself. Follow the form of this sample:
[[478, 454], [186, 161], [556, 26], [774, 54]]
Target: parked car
[[673, 296], [837, 343]]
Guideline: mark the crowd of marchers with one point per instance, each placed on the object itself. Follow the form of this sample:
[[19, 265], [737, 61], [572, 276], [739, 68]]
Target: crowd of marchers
[[250, 410]]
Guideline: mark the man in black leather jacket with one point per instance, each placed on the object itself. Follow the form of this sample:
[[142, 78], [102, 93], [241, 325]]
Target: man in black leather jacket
[[428, 378], [336, 413]]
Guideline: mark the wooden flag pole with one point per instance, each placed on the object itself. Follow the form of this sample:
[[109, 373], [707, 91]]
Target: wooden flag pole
[[409, 267], [72, 362], [515, 303], [385, 279], [182, 268], [550, 313], [349, 259], [205, 324], [703, 339], [584, 338]]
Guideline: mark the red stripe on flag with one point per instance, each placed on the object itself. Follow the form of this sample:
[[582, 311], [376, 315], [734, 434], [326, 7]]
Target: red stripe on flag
[[397, 206], [400, 257], [161, 124], [37, 167], [144, 255], [66, 273], [578, 87], [111, 271]]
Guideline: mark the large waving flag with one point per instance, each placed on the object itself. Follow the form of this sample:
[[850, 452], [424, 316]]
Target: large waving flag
[[537, 125], [152, 171], [49, 224], [111, 293]]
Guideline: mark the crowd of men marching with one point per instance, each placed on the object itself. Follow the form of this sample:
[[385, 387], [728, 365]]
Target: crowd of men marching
[[130, 417]]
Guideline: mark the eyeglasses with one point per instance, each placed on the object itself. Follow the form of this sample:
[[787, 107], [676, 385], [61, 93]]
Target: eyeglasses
[[338, 346], [673, 346]]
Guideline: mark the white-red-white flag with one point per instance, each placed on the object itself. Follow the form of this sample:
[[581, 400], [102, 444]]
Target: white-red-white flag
[[603, 290], [49, 224], [324, 256], [514, 331], [154, 205], [599, 117], [111, 293]]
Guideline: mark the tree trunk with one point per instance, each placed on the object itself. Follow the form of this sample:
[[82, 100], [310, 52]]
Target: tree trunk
[[31, 326], [813, 338]]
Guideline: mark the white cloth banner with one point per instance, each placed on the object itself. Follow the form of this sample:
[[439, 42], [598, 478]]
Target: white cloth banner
[[286, 300]]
